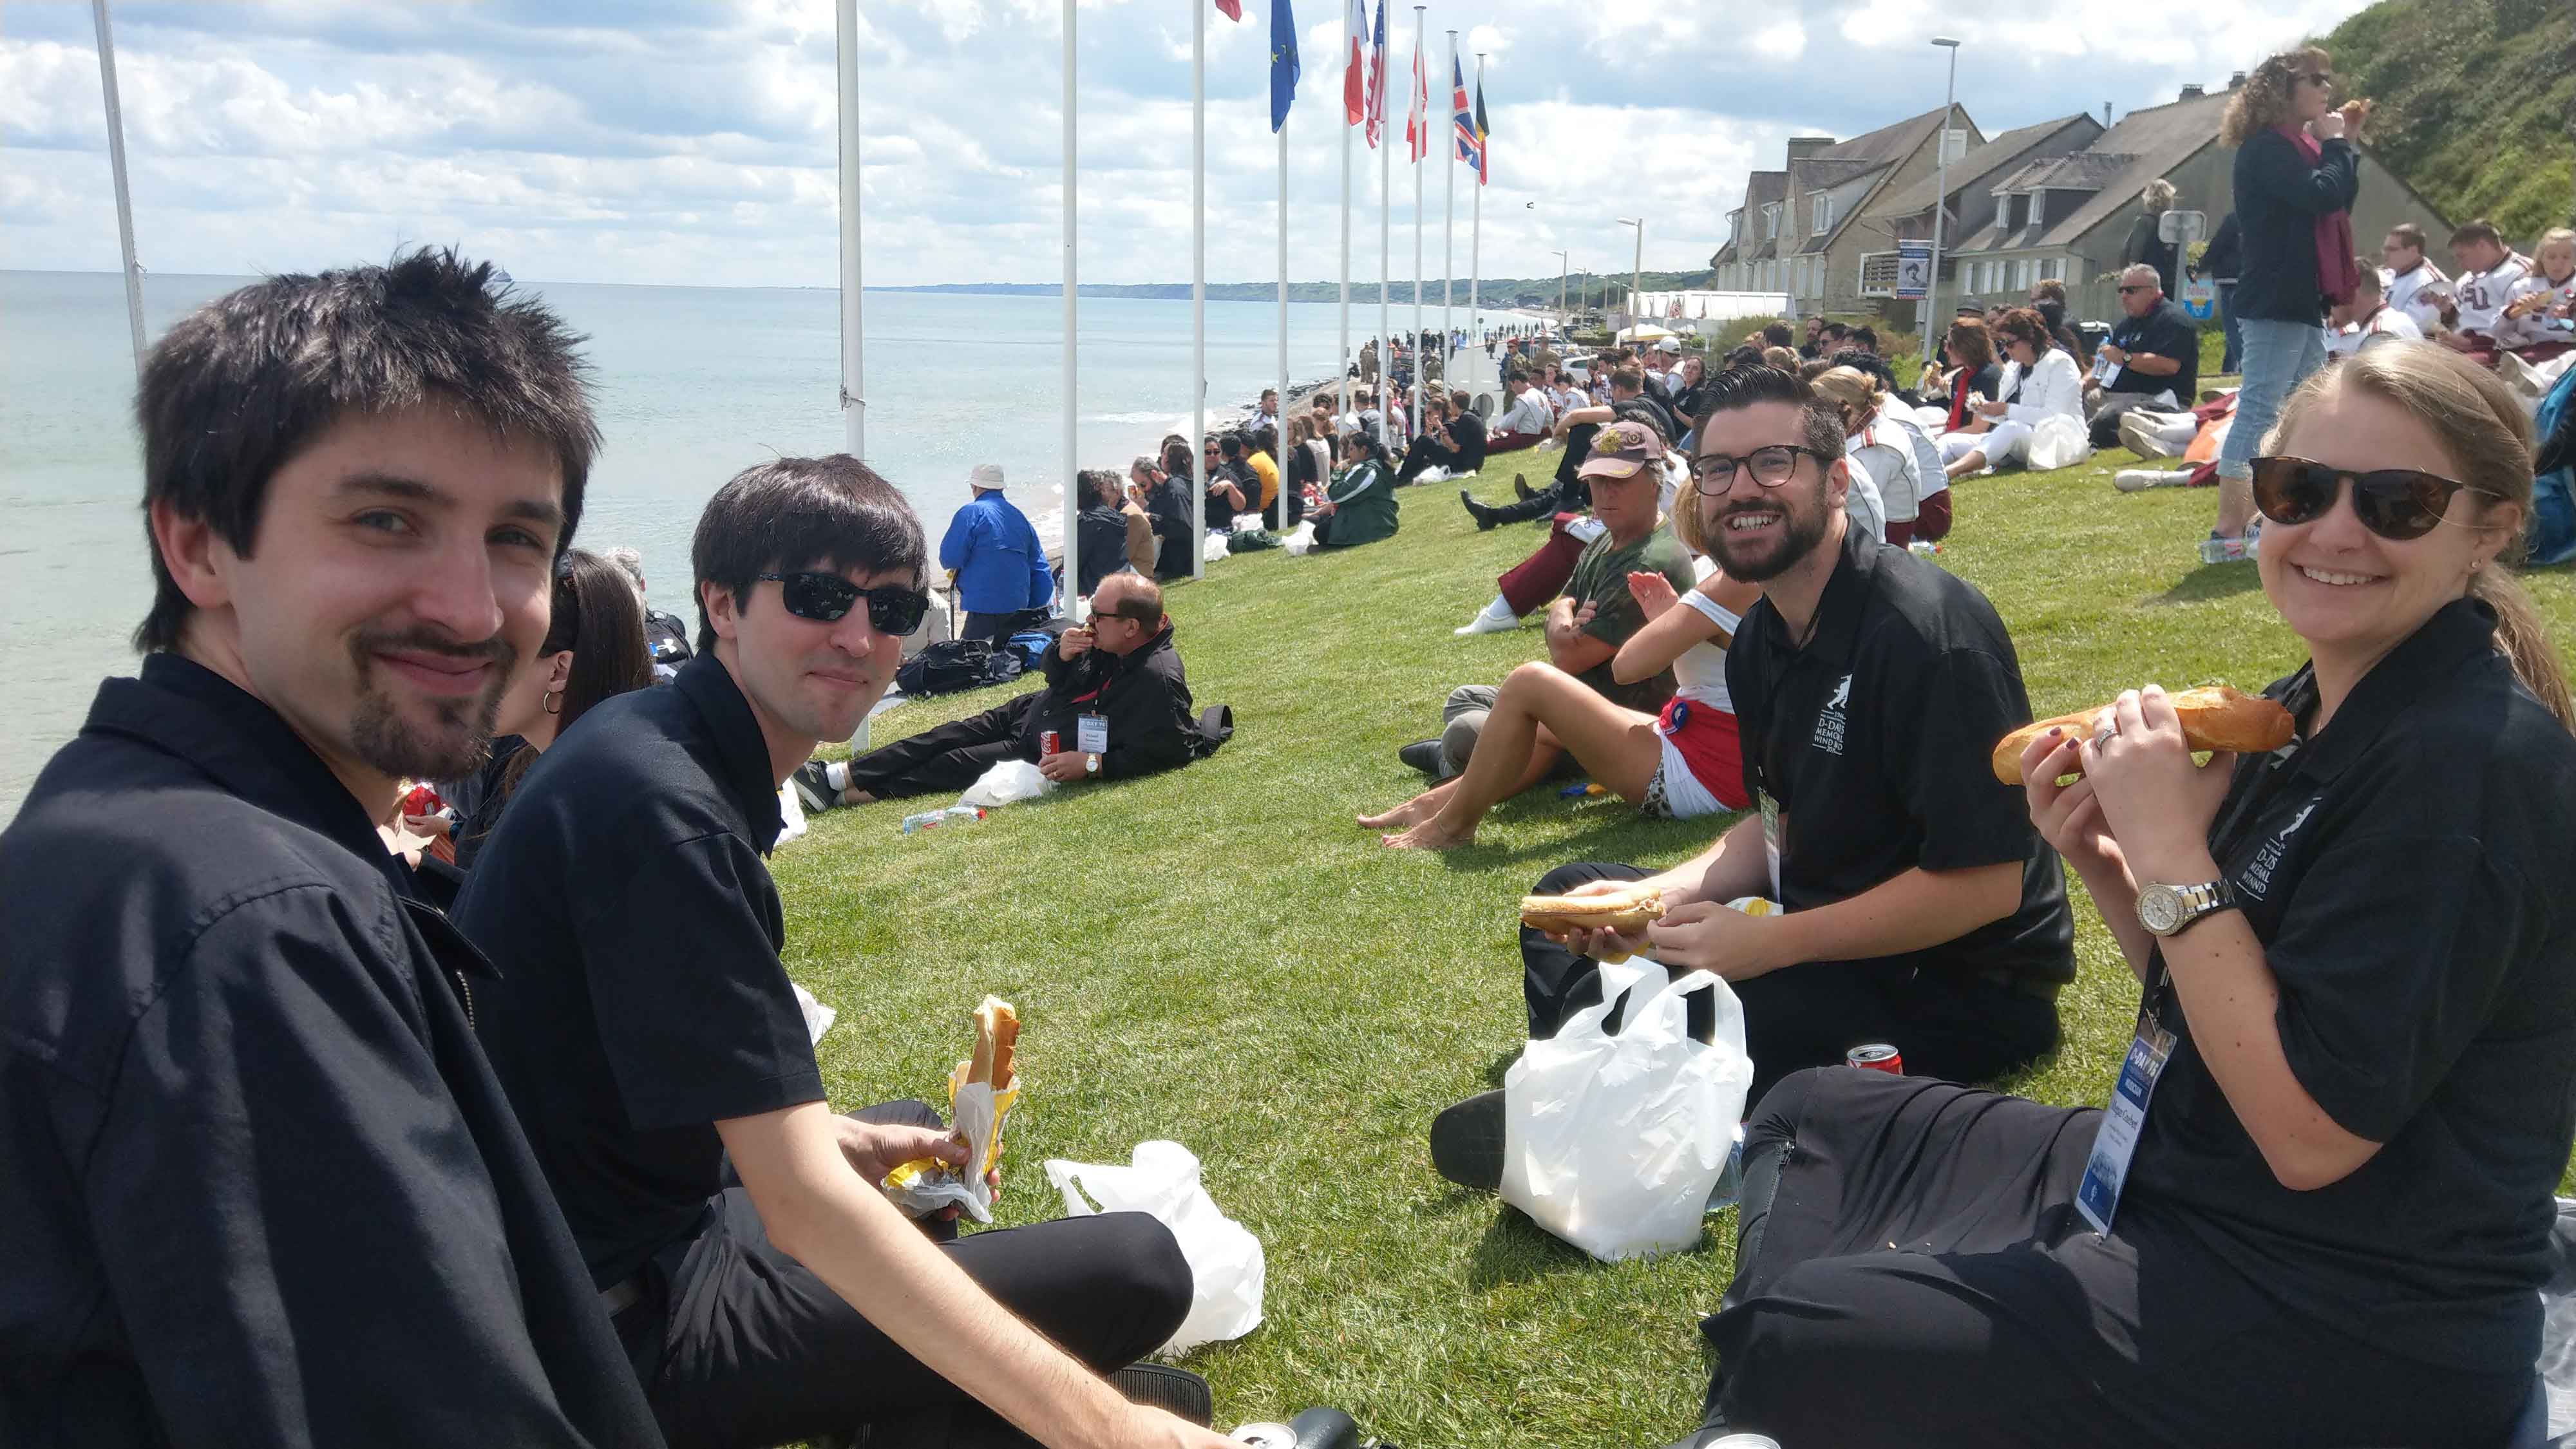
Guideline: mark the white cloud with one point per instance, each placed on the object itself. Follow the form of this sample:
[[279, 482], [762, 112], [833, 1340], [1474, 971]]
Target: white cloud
[[656, 140]]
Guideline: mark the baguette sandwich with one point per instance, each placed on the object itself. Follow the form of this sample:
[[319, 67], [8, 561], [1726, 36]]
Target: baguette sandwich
[[1626, 911], [2213, 718]]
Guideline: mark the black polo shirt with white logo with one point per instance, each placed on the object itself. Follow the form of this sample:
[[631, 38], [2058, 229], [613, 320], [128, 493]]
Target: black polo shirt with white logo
[[2408, 872], [1874, 739], [257, 1183], [625, 899]]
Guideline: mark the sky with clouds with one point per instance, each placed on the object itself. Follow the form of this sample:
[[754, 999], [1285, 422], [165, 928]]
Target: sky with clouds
[[694, 141]]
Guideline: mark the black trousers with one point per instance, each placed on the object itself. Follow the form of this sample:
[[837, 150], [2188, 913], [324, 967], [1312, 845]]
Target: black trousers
[[950, 756], [739, 1345], [1808, 1016], [1426, 452], [1911, 1272], [994, 628]]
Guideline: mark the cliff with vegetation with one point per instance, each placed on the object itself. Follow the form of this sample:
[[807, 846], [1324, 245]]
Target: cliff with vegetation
[[2475, 103]]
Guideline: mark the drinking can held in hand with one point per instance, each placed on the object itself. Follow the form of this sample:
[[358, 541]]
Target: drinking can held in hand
[[1876, 1056]]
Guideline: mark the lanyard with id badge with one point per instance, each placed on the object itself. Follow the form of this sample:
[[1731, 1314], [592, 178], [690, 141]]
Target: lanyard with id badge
[[2125, 1117], [1091, 733]]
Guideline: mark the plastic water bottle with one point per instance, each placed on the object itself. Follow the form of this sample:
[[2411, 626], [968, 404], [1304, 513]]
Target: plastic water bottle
[[963, 812], [1730, 1183], [1923, 548], [923, 821]]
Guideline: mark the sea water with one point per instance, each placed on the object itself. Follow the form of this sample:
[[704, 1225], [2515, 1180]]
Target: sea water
[[694, 384]]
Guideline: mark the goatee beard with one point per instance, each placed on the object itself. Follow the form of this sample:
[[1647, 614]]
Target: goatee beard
[[458, 742]]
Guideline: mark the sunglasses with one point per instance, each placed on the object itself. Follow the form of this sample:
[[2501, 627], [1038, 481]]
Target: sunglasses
[[2396, 503], [2141, 287], [826, 599]]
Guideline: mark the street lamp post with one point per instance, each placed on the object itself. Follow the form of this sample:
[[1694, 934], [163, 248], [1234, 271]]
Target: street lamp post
[[1564, 321], [1636, 270], [1940, 205]]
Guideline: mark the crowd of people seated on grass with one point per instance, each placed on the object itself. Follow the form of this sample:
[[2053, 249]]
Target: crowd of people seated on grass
[[563, 1106]]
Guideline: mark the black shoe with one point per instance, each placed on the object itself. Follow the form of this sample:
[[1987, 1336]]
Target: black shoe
[[1485, 519], [814, 788], [1467, 1142], [1423, 755], [1175, 1390], [1520, 485]]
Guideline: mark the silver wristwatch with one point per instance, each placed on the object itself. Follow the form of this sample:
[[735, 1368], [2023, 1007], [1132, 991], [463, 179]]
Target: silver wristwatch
[[2165, 910], [1091, 764]]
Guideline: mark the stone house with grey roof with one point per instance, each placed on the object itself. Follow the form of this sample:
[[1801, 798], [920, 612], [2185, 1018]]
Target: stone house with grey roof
[[1905, 213], [1795, 231]]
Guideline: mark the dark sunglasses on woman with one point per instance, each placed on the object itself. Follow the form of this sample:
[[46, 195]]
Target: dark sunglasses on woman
[[2396, 503], [826, 599]]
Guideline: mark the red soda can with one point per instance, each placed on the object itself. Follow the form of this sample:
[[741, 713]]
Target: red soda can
[[421, 800], [1876, 1056], [1051, 742]]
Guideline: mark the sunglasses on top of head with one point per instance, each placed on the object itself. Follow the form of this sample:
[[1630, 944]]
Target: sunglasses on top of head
[[2399, 504], [826, 599]]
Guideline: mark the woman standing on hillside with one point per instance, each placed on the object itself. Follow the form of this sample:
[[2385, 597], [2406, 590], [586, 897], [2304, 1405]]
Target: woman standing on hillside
[[2296, 175]]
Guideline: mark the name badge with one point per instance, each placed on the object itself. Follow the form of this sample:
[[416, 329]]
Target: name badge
[[1091, 734], [2098, 1196], [1771, 840]]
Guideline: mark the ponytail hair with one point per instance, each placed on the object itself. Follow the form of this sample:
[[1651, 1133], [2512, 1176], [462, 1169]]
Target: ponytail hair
[[2478, 421]]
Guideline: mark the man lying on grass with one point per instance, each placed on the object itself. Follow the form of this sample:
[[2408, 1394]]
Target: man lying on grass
[[1869, 685], [651, 1044]]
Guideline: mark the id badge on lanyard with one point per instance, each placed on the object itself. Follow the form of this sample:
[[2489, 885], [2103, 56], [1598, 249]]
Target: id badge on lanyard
[[1091, 734], [2125, 1118], [1771, 840]]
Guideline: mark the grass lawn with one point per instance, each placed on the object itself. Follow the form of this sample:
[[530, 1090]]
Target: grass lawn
[[1219, 957]]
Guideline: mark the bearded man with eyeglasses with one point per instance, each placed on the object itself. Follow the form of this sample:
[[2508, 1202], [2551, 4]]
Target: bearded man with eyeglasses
[[1921, 908], [762, 1285]]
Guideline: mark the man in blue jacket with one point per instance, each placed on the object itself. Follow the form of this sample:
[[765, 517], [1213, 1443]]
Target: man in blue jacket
[[999, 566]]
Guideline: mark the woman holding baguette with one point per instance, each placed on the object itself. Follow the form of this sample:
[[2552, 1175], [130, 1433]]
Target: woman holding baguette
[[2317, 1210]]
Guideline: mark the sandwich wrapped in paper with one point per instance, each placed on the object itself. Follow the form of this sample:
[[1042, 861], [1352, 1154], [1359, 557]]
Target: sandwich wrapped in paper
[[980, 1096]]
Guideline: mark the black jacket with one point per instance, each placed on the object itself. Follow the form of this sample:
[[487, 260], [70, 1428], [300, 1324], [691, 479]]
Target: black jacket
[[1467, 439], [1176, 540], [258, 1184], [2279, 197], [1103, 531], [1146, 697], [2224, 258]]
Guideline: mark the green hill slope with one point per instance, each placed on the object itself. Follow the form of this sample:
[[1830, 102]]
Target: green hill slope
[[2475, 101]]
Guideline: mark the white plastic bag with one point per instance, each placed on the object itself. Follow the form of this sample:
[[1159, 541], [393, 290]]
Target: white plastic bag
[[1225, 1258], [1006, 783], [1216, 550], [1302, 540], [1614, 1142], [818, 1017], [2057, 441]]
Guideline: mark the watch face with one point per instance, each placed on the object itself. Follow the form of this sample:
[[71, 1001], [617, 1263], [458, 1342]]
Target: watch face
[[2160, 908]]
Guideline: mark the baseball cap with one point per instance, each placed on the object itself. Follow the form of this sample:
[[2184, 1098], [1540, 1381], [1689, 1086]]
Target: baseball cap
[[985, 475], [1669, 344], [1620, 450]]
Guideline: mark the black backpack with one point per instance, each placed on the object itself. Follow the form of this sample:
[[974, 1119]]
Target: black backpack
[[954, 664]]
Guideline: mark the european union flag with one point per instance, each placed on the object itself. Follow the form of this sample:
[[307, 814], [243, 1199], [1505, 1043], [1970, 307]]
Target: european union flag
[[1283, 62]]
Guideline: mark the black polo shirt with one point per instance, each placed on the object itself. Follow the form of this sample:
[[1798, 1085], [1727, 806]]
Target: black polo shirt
[[2407, 871], [2167, 331], [257, 1183], [625, 899], [1874, 740]]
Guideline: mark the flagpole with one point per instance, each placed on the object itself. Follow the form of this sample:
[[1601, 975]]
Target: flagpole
[[1072, 483], [1342, 365], [1198, 280], [1279, 454], [1476, 231], [854, 405], [1413, 157], [1385, 203], [116, 168], [1449, 224]]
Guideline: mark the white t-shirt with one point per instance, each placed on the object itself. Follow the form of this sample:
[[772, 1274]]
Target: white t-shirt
[[2417, 294], [2534, 329], [1527, 414], [2384, 323], [1862, 501], [2482, 295], [1700, 674]]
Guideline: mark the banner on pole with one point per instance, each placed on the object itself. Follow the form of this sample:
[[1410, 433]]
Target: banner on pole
[[1913, 270]]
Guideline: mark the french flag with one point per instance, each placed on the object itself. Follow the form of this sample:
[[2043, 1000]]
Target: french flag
[[1355, 69]]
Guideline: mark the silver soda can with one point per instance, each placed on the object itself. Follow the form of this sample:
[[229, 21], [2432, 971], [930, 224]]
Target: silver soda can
[[1274, 1436]]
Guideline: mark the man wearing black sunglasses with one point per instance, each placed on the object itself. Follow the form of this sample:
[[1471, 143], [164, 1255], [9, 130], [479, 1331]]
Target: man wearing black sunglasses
[[644, 1026], [1116, 698], [2152, 358]]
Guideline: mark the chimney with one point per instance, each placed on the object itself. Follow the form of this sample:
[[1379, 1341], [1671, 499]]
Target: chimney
[[1802, 147], [2192, 92], [2106, 115], [2236, 80]]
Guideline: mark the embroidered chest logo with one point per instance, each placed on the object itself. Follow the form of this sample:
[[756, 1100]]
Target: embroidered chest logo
[[2257, 878], [1830, 725]]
